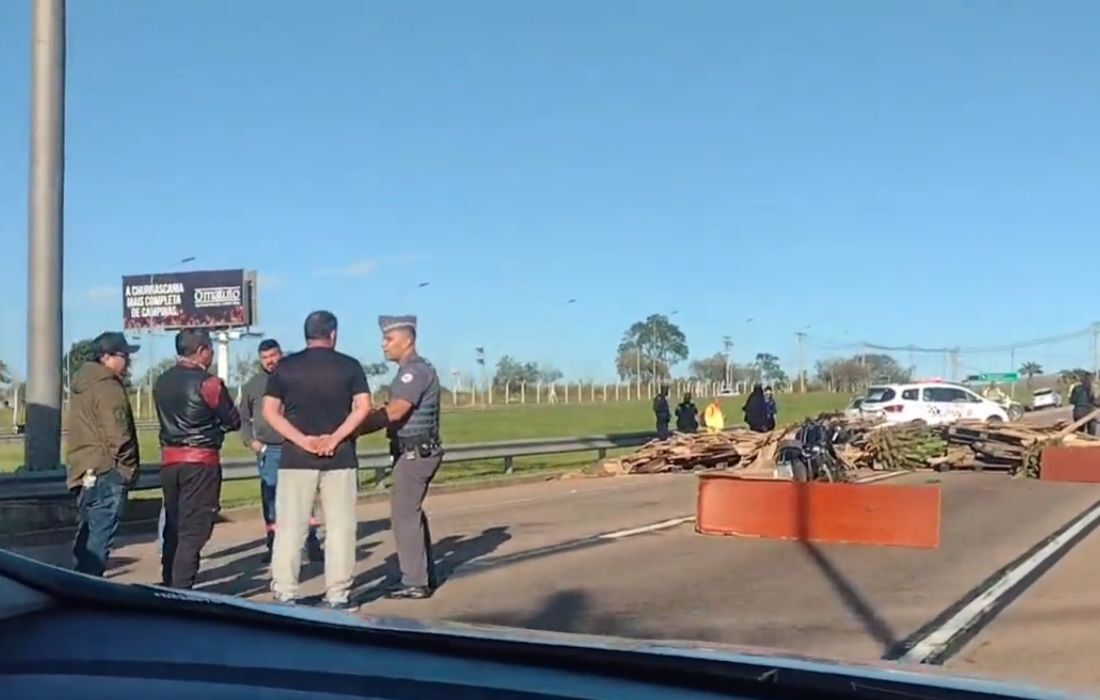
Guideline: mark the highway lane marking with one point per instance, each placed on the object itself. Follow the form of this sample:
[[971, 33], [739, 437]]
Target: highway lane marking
[[663, 525], [545, 497], [947, 637]]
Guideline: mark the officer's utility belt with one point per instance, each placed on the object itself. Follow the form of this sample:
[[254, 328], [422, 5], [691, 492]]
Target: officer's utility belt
[[423, 445]]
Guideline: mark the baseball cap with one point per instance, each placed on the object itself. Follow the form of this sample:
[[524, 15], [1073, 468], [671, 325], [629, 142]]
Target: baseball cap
[[113, 343]]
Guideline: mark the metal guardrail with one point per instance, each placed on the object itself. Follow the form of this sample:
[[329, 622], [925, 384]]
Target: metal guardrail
[[51, 484], [9, 434]]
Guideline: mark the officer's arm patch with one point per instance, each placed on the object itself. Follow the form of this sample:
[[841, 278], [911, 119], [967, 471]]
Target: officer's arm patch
[[406, 377]]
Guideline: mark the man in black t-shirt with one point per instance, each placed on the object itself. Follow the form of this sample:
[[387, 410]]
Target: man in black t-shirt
[[316, 400]]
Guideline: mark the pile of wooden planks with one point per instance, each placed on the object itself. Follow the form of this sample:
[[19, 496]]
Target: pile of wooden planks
[[893, 447], [865, 444], [1014, 446], [737, 448]]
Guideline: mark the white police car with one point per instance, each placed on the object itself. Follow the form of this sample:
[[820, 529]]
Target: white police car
[[934, 403]]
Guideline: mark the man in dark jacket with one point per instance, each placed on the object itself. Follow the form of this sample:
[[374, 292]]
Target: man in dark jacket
[[1083, 402], [661, 412], [195, 411], [772, 409], [258, 435], [756, 410], [103, 456], [687, 416]]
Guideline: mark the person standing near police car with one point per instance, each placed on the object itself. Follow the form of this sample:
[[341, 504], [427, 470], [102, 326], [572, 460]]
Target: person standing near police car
[[411, 420]]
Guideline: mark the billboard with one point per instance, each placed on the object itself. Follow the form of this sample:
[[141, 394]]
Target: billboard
[[203, 299]]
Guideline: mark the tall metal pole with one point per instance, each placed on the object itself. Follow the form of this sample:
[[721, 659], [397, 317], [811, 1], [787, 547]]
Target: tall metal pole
[[801, 363], [44, 236], [1012, 368]]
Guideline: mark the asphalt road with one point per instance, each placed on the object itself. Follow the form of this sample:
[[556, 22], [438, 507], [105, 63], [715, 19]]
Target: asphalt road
[[619, 556]]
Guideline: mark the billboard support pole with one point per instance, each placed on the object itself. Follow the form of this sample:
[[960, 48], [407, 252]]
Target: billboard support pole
[[44, 236], [221, 355]]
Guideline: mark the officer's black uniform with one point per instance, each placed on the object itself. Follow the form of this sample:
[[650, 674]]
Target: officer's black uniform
[[687, 416], [1083, 402], [662, 413]]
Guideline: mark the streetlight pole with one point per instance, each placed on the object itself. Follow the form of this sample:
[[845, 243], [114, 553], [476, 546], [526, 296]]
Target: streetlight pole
[[727, 345], [42, 447]]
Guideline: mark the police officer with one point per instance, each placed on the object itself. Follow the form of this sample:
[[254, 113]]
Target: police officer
[[411, 420], [661, 412], [1083, 402]]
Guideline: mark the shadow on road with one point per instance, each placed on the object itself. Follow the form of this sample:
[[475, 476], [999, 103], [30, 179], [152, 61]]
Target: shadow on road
[[449, 554], [248, 575], [572, 611], [845, 589]]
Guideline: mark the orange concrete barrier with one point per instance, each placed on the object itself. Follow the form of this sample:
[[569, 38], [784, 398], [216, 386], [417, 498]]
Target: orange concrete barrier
[[1079, 464], [876, 514]]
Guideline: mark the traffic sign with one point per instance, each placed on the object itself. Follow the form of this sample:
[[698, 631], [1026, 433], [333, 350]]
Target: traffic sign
[[1000, 377]]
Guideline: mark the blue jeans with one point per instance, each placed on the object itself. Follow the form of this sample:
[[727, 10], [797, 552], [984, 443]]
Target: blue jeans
[[267, 463], [100, 511]]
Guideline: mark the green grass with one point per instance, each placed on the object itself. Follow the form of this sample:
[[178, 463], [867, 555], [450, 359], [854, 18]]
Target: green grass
[[493, 423]]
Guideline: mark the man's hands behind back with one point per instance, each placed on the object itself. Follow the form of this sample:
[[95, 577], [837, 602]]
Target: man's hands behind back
[[320, 445]]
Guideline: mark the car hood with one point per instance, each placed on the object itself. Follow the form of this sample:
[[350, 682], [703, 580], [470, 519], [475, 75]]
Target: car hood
[[768, 660]]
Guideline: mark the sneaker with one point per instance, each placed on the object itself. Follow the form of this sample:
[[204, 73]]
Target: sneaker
[[410, 593], [342, 605]]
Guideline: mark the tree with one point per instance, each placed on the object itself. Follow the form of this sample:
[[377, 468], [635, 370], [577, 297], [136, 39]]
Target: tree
[[245, 367], [654, 345], [511, 372], [709, 369], [770, 371], [859, 371], [549, 375], [149, 378], [1030, 369], [628, 361], [375, 369], [79, 352]]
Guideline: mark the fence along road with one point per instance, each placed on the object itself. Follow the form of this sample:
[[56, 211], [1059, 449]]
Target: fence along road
[[51, 484]]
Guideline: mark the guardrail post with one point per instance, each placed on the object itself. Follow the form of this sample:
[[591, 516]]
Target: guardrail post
[[509, 464], [601, 453]]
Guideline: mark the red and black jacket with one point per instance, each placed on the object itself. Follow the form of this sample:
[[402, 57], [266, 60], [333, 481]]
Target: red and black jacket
[[195, 412]]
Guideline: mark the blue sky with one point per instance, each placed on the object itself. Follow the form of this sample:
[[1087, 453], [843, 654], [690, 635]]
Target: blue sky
[[903, 172]]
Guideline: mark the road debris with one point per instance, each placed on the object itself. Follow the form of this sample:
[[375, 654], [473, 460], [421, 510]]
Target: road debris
[[861, 444]]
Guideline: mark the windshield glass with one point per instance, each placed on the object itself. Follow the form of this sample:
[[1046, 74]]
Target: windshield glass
[[879, 394], [534, 314]]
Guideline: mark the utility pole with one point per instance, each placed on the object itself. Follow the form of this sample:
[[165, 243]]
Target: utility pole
[[727, 345], [801, 363], [42, 446], [1095, 348], [1012, 368]]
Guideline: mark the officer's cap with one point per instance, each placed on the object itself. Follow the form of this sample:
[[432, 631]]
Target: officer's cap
[[391, 323]]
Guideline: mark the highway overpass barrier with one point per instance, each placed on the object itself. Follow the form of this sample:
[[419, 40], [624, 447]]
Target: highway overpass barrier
[[25, 485]]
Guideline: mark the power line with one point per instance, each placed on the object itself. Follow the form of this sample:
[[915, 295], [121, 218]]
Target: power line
[[972, 349]]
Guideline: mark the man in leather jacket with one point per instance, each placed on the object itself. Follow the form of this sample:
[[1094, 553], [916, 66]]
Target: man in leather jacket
[[195, 412]]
